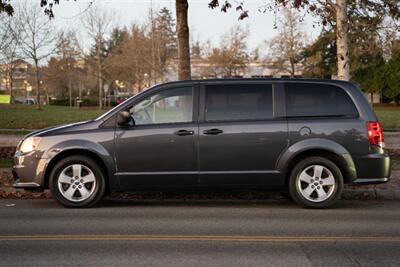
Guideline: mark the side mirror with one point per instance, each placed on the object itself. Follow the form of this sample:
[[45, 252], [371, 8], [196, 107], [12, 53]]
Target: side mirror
[[124, 117]]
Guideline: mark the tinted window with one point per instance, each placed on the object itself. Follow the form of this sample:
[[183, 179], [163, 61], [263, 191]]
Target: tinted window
[[167, 106], [305, 100], [238, 102]]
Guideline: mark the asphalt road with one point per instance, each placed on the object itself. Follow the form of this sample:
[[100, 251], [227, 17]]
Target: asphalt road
[[148, 233]]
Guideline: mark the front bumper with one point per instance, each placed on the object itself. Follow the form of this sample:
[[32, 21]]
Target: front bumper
[[28, 171], [26, 185]]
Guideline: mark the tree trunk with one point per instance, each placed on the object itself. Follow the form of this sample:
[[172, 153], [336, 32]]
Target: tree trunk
[[80, 90], [26, 91], [343, 62], [292, 68], [37, 84], [10, 84], [47, 95], [100, 75], [70, 92], [182, 29]]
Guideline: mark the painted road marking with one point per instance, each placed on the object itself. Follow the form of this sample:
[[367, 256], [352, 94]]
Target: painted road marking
[[199, 238]]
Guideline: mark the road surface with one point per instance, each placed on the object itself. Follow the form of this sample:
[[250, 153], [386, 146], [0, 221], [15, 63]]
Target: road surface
[[149, 233]]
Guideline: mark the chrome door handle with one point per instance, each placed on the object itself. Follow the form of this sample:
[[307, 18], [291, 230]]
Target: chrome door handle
[[184, 132], [213, 131]]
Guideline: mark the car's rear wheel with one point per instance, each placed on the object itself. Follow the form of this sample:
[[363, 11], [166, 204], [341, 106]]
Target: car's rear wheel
[[316, 182], [77, 181]]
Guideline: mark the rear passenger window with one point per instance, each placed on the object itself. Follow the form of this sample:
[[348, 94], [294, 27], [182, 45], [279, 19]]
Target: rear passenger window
[[318, 100], [238, 102]]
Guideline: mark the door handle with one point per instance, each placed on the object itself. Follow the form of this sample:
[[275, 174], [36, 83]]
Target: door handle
[[213, 131], [184, 132]]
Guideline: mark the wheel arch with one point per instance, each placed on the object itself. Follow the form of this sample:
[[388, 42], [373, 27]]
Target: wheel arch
[[81, 152], [317, 147]]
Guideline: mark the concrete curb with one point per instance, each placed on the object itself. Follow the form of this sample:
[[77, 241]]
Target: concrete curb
[[371, 194], [9, 140]]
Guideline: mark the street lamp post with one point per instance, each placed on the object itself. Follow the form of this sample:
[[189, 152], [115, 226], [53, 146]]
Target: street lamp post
[[47, 95], [117, 83], [146, 80], [26, 89]]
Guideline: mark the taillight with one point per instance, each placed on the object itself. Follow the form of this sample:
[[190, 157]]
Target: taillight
[[375, 134]]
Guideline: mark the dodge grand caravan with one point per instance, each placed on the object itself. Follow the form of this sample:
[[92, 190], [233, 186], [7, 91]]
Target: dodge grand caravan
[[309, 137]]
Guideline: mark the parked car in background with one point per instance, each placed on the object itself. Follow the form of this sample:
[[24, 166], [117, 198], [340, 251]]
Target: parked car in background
[[120, 99], [308, 137], [30, 101]]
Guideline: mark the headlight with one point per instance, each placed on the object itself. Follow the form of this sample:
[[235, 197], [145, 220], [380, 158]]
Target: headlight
[[29, 144]]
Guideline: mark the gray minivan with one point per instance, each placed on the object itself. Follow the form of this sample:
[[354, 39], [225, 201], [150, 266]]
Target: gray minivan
[[309, 137]]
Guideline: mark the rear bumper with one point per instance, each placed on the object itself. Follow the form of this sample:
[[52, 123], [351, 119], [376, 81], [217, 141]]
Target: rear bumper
[[372, 168], [371, 181]]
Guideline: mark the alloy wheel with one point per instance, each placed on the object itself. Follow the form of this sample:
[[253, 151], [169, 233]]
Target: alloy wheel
[[316, 183], [76, 182]]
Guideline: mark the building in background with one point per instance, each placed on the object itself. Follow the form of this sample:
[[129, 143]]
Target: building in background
[[18, 79]]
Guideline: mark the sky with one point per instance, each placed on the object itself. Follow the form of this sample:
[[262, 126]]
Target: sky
[[204, 23]]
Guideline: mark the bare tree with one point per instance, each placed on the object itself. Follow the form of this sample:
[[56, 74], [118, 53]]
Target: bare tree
[[129, 65], [163, 42], [9, 43], [69, 52], [98, 23], [230, 58], [286, 47], [37, 39], [156, 41]]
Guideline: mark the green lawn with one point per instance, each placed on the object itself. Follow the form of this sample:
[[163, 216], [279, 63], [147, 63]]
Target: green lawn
[[5, 163], [4, 99], [389, 117], [16, 132], [28, 117]]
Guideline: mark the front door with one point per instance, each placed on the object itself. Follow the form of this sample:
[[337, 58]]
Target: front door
[[241, 134], [161, 147]]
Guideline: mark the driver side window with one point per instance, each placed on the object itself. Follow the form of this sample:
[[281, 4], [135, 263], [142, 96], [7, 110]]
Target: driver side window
[[167, 106]]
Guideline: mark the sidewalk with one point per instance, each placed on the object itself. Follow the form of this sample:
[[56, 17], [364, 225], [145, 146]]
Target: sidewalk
[[392, 140]]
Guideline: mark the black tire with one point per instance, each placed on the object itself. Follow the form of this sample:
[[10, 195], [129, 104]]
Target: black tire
[[99, 188], [307, 163]]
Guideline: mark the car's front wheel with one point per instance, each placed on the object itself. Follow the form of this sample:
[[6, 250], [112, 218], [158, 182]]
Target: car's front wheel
[[316, 182], [77, 181]]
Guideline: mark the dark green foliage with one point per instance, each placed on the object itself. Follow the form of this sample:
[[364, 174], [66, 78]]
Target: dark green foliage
[[320, 57], [391, 75]]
